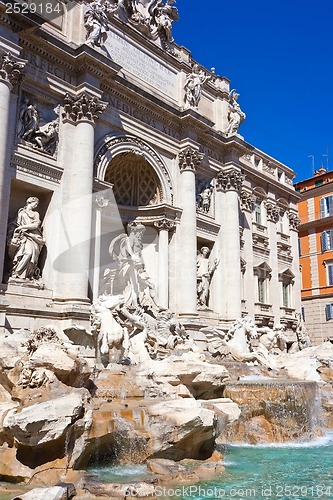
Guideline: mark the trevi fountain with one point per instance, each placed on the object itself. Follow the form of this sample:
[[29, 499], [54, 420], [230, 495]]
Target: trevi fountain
[[136, 361]]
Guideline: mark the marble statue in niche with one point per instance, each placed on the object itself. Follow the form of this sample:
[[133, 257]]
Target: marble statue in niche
[[43, 137], [25, 242], [193, 86], [235, 115], [204, 192], [205, 271]]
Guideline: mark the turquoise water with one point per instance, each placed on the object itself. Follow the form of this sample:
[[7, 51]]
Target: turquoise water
[[300, 471]]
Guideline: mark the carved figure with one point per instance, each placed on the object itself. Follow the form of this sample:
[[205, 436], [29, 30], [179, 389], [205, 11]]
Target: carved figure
[[26, 242], [205, 200], [165, 14], [193, 86], [110, 337], [303, 339], [131, 278], [273, 341], [46, 137], [96, 22], [29, 118], [236, 343], [205, 271], [235, 114]]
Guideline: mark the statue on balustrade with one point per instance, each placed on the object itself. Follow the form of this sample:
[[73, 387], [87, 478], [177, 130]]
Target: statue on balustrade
[[235, 115], [165, 14], [205, 271], [25, 242], [193, 86], [96, 22]]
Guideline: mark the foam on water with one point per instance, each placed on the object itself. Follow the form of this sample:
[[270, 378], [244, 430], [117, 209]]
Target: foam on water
[[326, 440]]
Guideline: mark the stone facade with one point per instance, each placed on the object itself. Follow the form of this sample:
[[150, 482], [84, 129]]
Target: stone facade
[[106, 120]]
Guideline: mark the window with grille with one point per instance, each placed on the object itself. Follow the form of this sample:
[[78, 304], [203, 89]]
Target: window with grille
[[262, 290], [285, 295], [257, 212]]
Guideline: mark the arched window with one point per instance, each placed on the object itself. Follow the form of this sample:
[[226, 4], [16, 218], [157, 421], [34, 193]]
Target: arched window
[[135, 182]]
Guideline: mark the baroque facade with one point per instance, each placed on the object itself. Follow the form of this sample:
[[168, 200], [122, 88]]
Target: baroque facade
[[106, 121], [315, 210]]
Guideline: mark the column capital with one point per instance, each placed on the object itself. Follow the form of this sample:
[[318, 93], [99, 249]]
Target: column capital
[[229, 180], [83, 107], [165, 225], [11, 69], [189, 158], [247, 200], [273, 211], [294, 221]]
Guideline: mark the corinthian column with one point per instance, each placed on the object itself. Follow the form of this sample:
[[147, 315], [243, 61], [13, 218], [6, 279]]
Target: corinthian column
[[79, 118], [163, 226], [10, 75], [228, 273], [189, 159]]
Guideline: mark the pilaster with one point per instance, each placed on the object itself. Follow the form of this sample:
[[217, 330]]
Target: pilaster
[[163, 226], [10, 75]]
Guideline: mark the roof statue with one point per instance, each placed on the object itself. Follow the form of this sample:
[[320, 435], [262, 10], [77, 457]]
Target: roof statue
[[152, 17]]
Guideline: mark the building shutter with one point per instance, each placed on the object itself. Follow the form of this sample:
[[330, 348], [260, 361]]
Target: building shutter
[[303, 313], [285, 293], [329, 239], [324, 238], [329, 201], [261, 291], [322, 207], [330, 274], [329, 311]]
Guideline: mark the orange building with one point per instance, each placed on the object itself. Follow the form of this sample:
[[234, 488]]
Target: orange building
[[315, 211]]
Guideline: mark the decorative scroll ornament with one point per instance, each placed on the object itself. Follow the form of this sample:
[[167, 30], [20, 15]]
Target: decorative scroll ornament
[[294, 221], [228, 180], [11, 69], [247, 200], [189, 159], [273, 212], [83, 107], [165, 225]]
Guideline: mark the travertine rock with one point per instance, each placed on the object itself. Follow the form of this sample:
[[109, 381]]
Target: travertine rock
[[44, 422]]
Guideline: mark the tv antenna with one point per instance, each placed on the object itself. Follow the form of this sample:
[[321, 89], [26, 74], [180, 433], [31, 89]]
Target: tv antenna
[[326, 156], [312, 163]]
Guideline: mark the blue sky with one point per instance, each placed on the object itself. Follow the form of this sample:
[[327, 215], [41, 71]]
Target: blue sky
[[279, 57]]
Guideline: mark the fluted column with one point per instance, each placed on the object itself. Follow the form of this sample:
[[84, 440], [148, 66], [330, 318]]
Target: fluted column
[[10, 75], [189, 159], [163, 226], [79, 117], [228, 280]]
